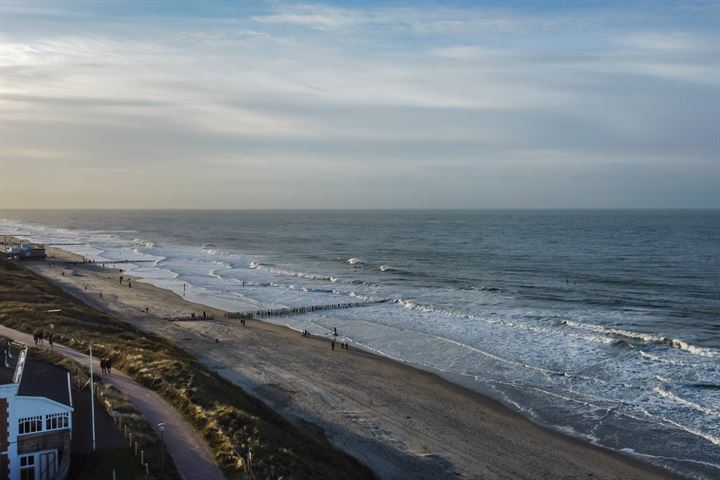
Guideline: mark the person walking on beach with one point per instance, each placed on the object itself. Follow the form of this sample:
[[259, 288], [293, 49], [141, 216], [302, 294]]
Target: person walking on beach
[[36, 337], [50, 340], [333, 345], [108, 365], [40, 336], [103, 365]]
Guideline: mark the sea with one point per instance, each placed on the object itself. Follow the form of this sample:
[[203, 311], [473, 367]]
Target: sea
[[601, 324]]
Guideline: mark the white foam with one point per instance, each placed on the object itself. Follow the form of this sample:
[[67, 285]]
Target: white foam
[[707, 410], [645, 337]]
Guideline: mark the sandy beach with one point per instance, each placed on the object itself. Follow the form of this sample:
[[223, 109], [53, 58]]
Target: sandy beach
[[403, 422]]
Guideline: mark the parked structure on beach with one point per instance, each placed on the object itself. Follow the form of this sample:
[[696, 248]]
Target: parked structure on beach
[[35, 417], [25, 251]]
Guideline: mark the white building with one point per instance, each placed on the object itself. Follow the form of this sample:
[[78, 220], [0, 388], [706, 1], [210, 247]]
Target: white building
[[25, 251], [35, 417]]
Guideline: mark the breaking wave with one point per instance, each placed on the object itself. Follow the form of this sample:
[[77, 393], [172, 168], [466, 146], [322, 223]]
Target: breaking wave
[[644, 338]]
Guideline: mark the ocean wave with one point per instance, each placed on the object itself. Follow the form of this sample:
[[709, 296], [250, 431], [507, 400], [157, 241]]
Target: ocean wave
[[655, 358], [715, 440], [144, 243], [354, 261], [677, 399], [214, 251], [414, 306], [290, 273], [388, 268], [644, 338]]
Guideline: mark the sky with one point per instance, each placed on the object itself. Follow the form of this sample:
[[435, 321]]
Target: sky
[[268, 104]]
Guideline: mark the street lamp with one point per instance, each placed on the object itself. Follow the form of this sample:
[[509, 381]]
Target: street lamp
[[52, 325], [162, 426]]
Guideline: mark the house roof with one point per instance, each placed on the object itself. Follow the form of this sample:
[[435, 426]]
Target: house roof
[[43, 379]]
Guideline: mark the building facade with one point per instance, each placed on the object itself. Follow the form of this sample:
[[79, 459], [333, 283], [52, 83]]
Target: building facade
[[35, 417]]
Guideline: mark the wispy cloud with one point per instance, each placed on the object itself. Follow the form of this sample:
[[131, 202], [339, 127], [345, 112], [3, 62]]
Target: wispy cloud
[[316, 16], [462, 94]]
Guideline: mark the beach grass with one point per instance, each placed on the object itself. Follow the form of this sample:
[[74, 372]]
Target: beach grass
[[101, 463], [232, 421]]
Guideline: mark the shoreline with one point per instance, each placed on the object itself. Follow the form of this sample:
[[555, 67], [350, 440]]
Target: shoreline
[[393, 446]]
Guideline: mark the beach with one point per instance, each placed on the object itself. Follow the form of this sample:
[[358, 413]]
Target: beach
[[401, 421]]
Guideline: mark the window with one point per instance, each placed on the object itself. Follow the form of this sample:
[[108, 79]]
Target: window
[[30, 425], [55, 421], [27, 467]]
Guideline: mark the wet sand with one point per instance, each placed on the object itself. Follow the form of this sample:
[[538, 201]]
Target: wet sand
[[403, 422]]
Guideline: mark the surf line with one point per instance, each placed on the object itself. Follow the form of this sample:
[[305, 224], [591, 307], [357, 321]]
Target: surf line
[[278, 312]]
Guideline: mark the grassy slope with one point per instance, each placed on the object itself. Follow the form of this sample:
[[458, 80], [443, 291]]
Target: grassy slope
[[100, 464], [231, 420]]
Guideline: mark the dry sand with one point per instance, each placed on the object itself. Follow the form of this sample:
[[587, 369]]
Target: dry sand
[[402, 422]]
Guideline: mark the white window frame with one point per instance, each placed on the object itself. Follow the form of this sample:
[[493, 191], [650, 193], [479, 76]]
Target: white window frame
[[25, 425], [29, 461], [57, 421]]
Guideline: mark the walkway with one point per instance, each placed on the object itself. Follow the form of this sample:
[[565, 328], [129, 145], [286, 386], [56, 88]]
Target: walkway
[[188, 449]]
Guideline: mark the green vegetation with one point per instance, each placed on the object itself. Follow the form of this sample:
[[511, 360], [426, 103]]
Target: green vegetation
[[100, 464], [232, 421]]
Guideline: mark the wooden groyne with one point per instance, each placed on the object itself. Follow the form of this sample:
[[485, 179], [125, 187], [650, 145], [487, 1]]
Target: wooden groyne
[[113, 262], [101, 262], [281, 312], [193, 317]]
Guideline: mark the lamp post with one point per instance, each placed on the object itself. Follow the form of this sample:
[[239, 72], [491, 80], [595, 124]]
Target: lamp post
[[92, 399], [162, 426], [52, 325]]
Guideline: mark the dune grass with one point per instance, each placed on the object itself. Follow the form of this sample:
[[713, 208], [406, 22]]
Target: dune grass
[[100, 464], [232, 421]]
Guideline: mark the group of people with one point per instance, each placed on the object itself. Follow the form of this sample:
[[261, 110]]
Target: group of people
[[343, 344], [105, 365], [39, 337]]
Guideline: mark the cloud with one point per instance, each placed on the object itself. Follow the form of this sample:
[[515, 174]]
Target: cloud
[[316, 16], [304, 95]]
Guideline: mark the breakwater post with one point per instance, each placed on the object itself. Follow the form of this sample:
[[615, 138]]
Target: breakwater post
[[284, 311]]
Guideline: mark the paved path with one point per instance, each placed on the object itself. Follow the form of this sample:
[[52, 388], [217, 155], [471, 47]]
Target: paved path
[[188, 449]]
